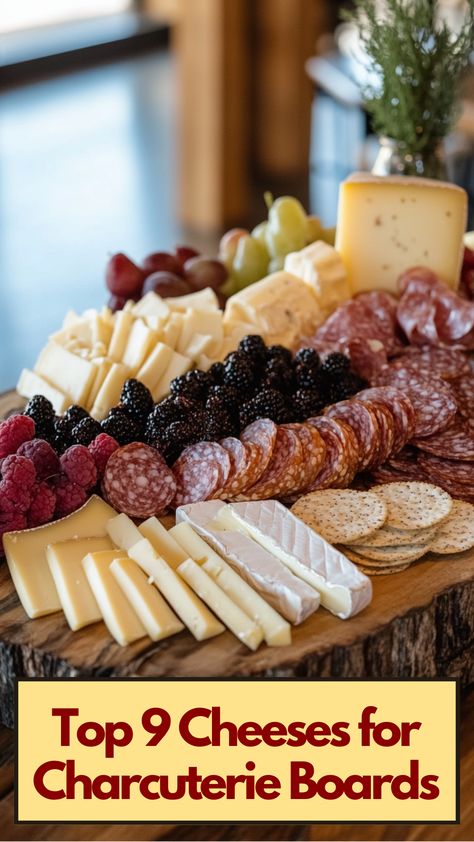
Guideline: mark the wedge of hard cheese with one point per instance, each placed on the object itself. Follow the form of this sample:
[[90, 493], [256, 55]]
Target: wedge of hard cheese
[[344, 589], [288, 594]]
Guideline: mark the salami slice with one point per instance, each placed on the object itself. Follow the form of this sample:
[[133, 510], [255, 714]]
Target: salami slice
[[341, 459], [238, 460], [283, 473], [431, 313], [262, 433], [314, 450], [247, 472], [200, 472], [367, 356], [138, 482], [363, 421], [464, 393], [459, 473], [447, 363], [432, 398], [371, 315], [401, 408], [456, 442]]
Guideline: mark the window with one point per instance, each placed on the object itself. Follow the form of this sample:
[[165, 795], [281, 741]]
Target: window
[[27, 14]]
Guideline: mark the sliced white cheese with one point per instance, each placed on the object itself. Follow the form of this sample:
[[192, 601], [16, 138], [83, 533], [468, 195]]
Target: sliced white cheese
[[123, 532], [163, 541], [26, 553], [205, 299], [198, 345], [103, 365], [344, 589], [122, 327], [288, 594], [151, 305], [65, 563], [194, 614], [150, 607], [31, 384], [141, 340], [201, 322], [109, 393], [231, 615], [117, 612], [276, 630], [69, 373], [171, 331], [179, 365], [155, 366]]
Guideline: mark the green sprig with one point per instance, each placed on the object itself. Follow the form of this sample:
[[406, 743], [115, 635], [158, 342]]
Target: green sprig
[[417, 62]]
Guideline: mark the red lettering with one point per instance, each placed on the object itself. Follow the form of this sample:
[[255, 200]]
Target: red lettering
[[39, 776], [65, 714]]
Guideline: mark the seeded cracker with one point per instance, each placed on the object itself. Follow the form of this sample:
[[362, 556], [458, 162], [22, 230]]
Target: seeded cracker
[[456, 534], [341, 516], [388, 536], [374, 568], [410, 552], [413, 505]]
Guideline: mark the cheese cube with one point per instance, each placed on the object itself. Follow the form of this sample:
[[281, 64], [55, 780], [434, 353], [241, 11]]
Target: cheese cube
[[103, 366], [276, 630], [109, 393], [172, 329], [69, 373], [152, 610], [122, 327], [141, 340], [282, 308], [163, 542], [320, 266], [202, 322], [26, 553], [65, 563], [155, 366], [31, 384], [205, 299], [178, 365], [231, 615], [194, 614], [387, 225], [117, 612], [151, 305]]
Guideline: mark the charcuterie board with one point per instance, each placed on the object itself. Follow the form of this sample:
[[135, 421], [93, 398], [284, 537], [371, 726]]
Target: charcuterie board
[[420, 623]]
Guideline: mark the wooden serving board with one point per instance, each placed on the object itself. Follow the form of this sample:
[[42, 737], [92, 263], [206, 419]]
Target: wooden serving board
[[420, 623]]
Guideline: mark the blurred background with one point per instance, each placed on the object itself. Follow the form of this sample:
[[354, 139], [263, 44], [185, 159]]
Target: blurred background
[[133, 125]]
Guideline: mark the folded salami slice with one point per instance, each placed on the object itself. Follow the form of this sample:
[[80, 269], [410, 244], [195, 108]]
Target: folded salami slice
[[401, 408], [460, 473], [363, 421], [314, 450], [284, 471], [341, 460], [138, 482], [447, 363], [246, 467], [456, 442], [432, 398]]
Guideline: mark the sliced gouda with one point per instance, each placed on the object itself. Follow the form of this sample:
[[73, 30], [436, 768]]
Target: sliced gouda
[[152, 610], [65, 563], [117, 612]]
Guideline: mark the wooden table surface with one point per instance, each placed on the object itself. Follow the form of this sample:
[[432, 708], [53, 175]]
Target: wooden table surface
[[335, 833]]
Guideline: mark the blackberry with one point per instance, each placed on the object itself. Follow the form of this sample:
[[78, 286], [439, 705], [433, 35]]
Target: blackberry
[[175, 438], [137, 399], [227, 394], [122, 428], [248, 413], [173, 408], [218, 424], [195, 385], [216, 373], [254, 349], [61, 436], [239, 372], [85, 431], [279, 352], [307, 402], [308, 357], [335, 365], [271, 404], [40, 409], [308, 378], [74, 414], [278, 375], [345, 387]]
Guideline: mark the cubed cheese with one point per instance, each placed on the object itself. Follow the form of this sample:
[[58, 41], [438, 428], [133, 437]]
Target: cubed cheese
[[151, 305], [204, 323], [68, 372], [205, 299], [178, 365], [118, 342], [31, 384], [320, 266], [155, 366], [109, 393], [141, 340]]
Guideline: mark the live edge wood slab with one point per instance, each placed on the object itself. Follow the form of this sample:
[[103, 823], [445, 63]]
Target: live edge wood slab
[[419, 624]]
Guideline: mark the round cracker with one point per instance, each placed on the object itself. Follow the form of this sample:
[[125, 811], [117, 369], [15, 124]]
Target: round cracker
[[382, 571], [388, 536], [413, 505], [341, 516], [410, 552], [456, 533]]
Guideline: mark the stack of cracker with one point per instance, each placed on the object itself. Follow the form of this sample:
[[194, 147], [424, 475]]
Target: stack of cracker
[[386, 529]]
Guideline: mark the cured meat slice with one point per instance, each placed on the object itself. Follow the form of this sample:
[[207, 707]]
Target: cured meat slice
[[464, 393], [431, 313], [401, 408], [341, 460], [314, 450], [263, 433], [370, 314], [200, 472], [457, 472], [456, 442], [447, 363], [386, 424], [247, 471], [238, 456], [367, 356], [284, 471], [432, 398], [138, 482], [363, 421]]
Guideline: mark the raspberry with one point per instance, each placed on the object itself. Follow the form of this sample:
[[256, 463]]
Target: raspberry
[[13, 432], [43, 504], [43, 457], [18, 479], [79, 466], [101, 449], [69, 495], [10, 522]]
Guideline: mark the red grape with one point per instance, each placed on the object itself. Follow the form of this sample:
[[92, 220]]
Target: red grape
[[123, 277], [202, 272], [161, 261], [184, 253], [116, 302], [166, 284]]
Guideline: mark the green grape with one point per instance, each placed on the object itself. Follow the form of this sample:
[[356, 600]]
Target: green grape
[[276, 264], [250, 261], [228, 245], [287, 227], [230, 287], [315, 230], [259, 233]]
